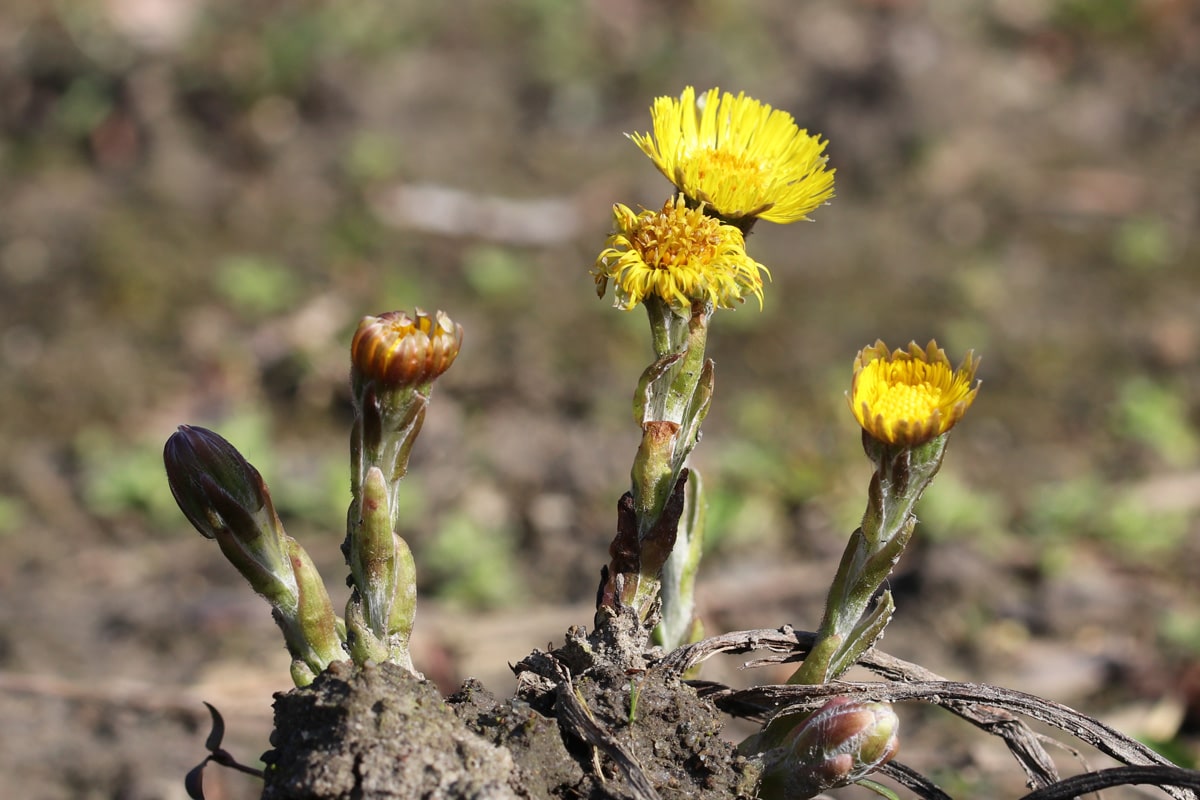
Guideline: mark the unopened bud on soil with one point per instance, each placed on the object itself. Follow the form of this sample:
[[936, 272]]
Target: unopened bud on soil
[[397, 350], [842, 742]]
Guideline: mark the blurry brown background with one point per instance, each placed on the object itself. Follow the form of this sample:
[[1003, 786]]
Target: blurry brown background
[[201, 198]]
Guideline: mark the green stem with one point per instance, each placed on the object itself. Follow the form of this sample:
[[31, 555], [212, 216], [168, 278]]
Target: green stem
[[847, 628], [379, 614], [678, 578], [673, 398]]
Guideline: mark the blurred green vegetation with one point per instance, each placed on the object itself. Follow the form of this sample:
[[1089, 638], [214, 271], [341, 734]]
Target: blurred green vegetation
[[1062, 516], [1156, 416], [120, 478], [499, 274], [953, 509], [1103, 17], [472, 564], [214, 197], [254, 285], [12, 515], [123, 478]]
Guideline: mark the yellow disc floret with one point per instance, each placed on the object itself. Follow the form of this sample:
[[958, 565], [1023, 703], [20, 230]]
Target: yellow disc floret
[[739, 156], [908, 397], [678, 254]]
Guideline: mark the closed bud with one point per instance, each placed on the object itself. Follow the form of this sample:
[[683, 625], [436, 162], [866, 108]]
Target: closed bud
[[396, 350], [225, 498], [211, 481], [842, 742]]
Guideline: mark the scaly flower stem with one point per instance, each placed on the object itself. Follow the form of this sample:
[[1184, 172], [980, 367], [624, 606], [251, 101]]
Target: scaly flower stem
[[382, 606], [386, 425], [313, 633], [673, 398], [679, 624], [663, 405], [848, 629], [395, 359]]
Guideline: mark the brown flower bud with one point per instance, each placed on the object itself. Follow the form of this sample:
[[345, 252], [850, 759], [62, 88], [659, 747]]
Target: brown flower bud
[[841, 742], [396, 350]]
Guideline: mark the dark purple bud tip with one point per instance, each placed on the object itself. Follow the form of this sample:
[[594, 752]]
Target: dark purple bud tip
[[212, 483]]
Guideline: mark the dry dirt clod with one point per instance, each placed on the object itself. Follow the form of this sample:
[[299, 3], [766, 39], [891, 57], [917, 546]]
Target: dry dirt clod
[[378, 732], [581, 726]]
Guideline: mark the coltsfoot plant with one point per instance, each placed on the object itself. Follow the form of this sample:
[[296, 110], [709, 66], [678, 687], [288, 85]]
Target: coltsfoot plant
[[611, 713]]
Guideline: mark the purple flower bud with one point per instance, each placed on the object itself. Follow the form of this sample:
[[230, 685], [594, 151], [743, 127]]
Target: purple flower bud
[[213, 484], [225, 498]]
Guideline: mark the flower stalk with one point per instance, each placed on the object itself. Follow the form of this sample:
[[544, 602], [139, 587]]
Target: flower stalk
[[850, 624], [907, 401], [679, 623], [395, 359], [673, 398], [226, 499]]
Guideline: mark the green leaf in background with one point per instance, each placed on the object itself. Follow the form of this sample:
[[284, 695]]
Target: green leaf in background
[[1143, 243], [12, 514], [255, 284], [372, 156], [960, 511], [497, 272], [122, 476], [472, 565], [1157, 416]]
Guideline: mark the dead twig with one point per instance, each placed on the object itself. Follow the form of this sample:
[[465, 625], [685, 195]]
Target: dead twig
[[914, 781], [1117, 776], [990, 708], [574, 716]]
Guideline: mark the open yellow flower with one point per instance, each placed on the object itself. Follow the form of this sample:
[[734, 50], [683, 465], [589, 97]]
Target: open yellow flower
[[678, 254], [739, 156], [908, 397]]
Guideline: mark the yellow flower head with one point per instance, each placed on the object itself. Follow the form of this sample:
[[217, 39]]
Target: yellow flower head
[[909, 397], [678, 254], [741, 157]]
